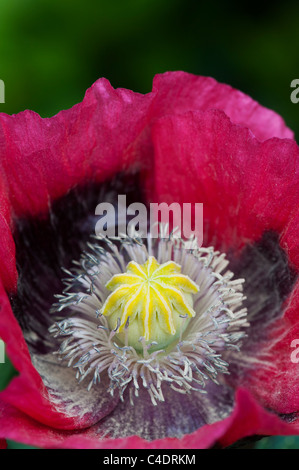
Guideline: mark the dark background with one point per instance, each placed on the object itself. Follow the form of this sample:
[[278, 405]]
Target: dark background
[[51, 51]]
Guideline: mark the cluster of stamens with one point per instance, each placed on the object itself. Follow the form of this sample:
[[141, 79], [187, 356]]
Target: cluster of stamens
[[149, 313]]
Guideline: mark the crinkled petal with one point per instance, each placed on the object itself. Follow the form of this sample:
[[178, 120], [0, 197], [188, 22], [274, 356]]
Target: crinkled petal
[[43, 158], [56, 401], [178, 92], [289, 238], [108, 132], [247, 419], [274, 377], [246, 187]]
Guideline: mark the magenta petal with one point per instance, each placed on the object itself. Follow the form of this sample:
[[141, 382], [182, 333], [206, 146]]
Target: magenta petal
[[43, 158], [28, 392], [178, 92], [250, 418], [17, 426], [246, 186], [275, 378], [247, 419]]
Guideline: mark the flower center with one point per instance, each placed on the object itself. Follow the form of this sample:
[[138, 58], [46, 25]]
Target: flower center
[[154, 314], [149, 300]]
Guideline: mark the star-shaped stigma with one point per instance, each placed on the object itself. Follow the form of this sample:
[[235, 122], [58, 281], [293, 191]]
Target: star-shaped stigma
[[152, 295]]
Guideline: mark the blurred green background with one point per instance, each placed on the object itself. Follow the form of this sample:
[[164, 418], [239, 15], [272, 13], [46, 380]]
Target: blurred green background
[[51, 51]]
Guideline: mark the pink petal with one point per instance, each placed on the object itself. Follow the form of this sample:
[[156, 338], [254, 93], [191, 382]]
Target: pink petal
[[178, 92], [274, 380], [44, 158], [248, 418], [246, 186]]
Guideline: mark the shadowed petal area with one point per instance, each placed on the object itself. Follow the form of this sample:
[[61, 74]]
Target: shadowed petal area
[[269, 281], [45, 245], [71, 398], [46, 389], [8, 271], [180, 414], [289, 238], [273, 378], [264, 362], [3, 444]]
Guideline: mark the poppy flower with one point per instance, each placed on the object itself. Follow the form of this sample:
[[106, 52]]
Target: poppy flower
[[138, 342]]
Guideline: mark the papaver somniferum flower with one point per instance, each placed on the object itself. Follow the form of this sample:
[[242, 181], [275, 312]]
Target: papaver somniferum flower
[[128, 342]]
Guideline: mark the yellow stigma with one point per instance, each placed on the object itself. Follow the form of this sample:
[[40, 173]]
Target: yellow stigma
[[150, 300]]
